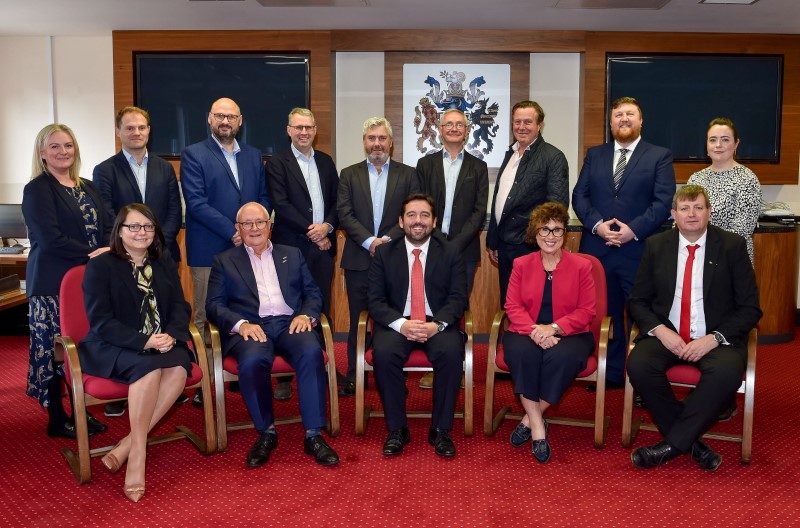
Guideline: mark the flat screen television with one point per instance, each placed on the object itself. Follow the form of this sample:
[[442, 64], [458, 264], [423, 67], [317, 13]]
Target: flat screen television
[[177, 89], [680, 94]]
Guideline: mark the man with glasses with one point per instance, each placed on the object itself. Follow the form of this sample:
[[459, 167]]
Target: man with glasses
[[533, 172], [303, 183], [458, 182], [262, 297], [218, 176]]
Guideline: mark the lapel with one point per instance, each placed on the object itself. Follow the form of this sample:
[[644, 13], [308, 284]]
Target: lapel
[[362, 181], [637, 155], [670, 264], [297, 173], [391, 185], [217, 153], [153, 175], [607, 161], [241, 261], [281, 260], [125, 168], [68, 202], [713, 248], [466, 165]]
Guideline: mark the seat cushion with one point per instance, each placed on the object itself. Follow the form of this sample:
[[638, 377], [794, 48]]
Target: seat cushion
[[106, 389], [417, 359], [686, 374]]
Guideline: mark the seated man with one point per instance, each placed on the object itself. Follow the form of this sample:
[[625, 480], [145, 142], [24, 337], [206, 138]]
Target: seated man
[[695, 300], [417, 294], [264, 301]]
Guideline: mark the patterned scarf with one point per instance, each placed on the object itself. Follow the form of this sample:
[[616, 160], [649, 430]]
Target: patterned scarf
[[148, 311]]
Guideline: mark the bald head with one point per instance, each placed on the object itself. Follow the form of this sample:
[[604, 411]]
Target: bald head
[[225, 119]]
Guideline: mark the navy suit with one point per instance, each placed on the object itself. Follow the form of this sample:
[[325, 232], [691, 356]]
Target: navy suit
[[117, 185], [643, 202], [233, 296]]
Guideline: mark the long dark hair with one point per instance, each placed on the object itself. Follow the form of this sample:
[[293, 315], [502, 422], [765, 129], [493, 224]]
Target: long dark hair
[[156, 246]]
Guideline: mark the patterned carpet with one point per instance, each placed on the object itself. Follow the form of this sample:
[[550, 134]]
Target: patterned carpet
[[488, 484]]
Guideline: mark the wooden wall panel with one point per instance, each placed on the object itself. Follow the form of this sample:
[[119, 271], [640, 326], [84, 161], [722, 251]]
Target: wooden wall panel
[[469, 40]]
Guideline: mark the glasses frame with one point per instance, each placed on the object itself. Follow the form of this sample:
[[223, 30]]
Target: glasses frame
[[135, 228], [220, 117], [545, 231], [250, 225], [302, 128]]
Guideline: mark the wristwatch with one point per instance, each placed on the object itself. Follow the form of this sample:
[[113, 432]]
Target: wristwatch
[[311, 320], [440, 326], [719, 337], [556, 328]]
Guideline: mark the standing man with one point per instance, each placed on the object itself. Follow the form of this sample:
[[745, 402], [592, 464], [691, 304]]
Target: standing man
[[695, 300], [417, 294], [303, 183], [265, 302], [371, 195], [458, 182], [132, 175], [622, 197], [533, 172]]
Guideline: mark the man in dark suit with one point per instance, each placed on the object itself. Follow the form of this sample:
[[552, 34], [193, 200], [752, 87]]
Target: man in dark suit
[[370, 199], [133, 175], [262, 297], [417, 294], [533, 172], [695, 300], [622, 197]]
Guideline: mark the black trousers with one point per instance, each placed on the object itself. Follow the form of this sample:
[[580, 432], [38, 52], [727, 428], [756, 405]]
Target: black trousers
[[320, 265], [357, 282], [683, 422]]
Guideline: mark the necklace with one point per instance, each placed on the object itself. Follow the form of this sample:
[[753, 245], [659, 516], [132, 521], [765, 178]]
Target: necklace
[[549, 275]]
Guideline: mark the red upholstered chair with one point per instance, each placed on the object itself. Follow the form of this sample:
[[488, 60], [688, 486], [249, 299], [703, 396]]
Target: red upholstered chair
[[595, 370], [689, 376], [92, 390], [227, 369], [417, 362]]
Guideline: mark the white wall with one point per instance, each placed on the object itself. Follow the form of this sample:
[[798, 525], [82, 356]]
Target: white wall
[[359, 95]]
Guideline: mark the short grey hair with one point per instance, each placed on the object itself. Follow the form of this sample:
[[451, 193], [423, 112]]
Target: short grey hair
[[373, 122]]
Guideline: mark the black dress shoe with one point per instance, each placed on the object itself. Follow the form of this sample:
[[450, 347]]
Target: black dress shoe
[[441, 442], [520, 435], [706, 457], [347, 388], [283, 391], [321, 451], [95, 425], [233, 386], [197, 401], [259, 453], [638, 401], [66, 429], [396, 441], [610, 385], [652, 456], [540, 449], [728, 413]]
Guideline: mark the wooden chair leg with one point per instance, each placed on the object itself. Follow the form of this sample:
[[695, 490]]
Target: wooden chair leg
[[333, 387], [627, 415]]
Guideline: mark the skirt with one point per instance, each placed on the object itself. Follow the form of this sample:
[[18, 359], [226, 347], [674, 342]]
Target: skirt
[[43, 320]]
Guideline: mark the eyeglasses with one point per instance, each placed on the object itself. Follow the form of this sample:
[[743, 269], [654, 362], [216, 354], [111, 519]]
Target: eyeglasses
[[258, 224], [135, 228], [557, 232], [457, 126], [222, 117], [303, 128]]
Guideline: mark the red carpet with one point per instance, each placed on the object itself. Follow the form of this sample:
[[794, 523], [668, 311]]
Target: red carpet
[[488, 484]]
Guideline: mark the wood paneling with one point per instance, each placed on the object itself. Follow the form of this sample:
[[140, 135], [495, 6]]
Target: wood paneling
[[469, 40], [776, 275]]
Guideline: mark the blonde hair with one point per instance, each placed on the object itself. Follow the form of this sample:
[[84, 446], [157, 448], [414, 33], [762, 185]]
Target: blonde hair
[[373, 122], [39, 166], [305, 112]]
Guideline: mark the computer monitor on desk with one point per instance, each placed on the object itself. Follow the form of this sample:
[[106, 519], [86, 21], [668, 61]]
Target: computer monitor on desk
[[12, 223]]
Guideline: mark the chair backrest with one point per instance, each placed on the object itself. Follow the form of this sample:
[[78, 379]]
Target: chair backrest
[[601, 301], [72, 311]]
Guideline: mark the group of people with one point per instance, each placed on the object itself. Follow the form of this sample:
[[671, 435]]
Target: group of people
[[261, 246]]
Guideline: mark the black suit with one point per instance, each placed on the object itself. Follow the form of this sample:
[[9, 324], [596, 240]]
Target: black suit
[[445, 291], [730, 302], [354, 206], [117, 185], [293, 213]]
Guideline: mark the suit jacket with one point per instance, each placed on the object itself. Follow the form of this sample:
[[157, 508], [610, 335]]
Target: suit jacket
[[574, 297], [289, 193], [354, 205], [643, 200], [57, 231], [469, 199], [542, 176], [233, 294], [213, 197], [112, 302], [445, 281], [730, 294], [117, 185]]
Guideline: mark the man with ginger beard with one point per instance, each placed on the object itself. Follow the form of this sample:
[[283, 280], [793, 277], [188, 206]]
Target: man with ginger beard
[[370, 199], [623, 195]]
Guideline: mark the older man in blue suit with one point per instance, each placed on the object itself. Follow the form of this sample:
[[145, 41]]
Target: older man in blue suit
[[262, 297], [623, 195]]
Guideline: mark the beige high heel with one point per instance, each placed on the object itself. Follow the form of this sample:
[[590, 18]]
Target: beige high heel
[[110, 461], [134, 492]]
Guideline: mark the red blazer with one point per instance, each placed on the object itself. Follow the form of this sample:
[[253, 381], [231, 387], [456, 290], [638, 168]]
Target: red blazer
[[573, 293]]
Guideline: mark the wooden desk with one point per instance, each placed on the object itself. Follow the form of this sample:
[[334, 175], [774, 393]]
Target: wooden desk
[[12, 298]]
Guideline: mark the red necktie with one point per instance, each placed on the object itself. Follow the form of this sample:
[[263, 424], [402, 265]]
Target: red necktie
[[686, 295], [417, 288]]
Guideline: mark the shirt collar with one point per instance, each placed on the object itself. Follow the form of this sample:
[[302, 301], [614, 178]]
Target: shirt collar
[[236, 148], [131, 159], [515, 146], [446, 155], [298, 154], [384, 168], [411, 247], [630, 147], [682, 242], [267, 251]]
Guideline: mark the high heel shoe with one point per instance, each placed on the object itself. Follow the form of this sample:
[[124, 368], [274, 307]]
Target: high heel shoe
[[134, 492], [110, 461]]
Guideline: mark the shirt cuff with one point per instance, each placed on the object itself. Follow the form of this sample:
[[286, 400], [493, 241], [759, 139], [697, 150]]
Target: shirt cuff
[[397, 324], [367, 243], [235, 329], [330, 227], [594, 227]]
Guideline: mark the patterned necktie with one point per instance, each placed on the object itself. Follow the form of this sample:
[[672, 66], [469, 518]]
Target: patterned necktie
[[151, 320], [621, 163], [417, 288], [686, 296]]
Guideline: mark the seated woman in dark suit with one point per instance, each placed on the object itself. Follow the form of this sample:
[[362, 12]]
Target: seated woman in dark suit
[[139, 326], [550, 306]]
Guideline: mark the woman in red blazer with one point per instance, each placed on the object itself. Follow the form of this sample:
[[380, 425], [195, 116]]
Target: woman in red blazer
[[550, 306]]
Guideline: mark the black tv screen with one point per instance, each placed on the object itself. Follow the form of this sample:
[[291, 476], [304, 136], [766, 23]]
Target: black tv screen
[[177, 89], [680, 94]]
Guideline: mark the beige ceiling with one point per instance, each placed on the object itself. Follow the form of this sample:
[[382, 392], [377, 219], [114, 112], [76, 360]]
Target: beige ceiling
[[98, 17]]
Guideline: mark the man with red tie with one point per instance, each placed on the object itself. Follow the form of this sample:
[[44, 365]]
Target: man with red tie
[[695, 300], [417, 294]]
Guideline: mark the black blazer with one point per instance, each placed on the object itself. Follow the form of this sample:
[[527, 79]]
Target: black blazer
[[469, 200], [355, 208], [445, 281], [542, 176], [57, 232], [233, 294], [117, 185], [112, 303], [292, 201], [730, 294]]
